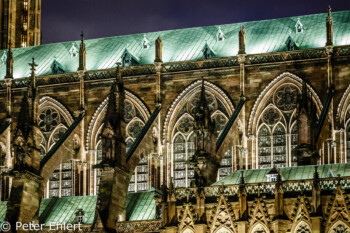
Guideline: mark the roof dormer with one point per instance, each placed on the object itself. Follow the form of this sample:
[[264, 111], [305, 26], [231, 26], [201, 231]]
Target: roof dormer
[[56, 68], [299, 27], [220, 36], [73, 51], [207, 52], [145, 42], [128, 59]]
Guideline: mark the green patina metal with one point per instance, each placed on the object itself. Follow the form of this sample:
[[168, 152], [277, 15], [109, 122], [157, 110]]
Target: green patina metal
[[288, 173], [185, 44], [139, 206]]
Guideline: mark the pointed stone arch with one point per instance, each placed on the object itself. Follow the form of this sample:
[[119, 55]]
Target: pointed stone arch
[[343, 106], [339, 226], [181, 100], [259, 216], [222, 216], [259, 227], [96, 121], [337, 210], [283, 79], [48, 101], [187, 219], [300, 216], [302, 227]]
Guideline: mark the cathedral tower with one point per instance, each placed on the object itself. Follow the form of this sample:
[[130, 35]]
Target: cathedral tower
[[20, 23]]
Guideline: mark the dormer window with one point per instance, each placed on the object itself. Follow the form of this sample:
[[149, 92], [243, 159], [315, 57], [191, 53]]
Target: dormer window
[[220, 36], [330, 173], [145, 43], [271, 177], [299, 26], [80, 216], [4, 57], [73, 51], [128, 59], [207, 52], [290, 44], [56, 68]]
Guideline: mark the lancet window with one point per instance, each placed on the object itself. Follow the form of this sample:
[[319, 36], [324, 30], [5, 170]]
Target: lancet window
[[53, 121], [135, 122], [278, 123], [183, 137]]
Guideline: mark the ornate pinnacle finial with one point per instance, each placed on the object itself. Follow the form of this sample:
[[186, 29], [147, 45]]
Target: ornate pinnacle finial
[[32, 69], [329, 27], [82, 36], [82, 53], [241, 37], [158, 48]]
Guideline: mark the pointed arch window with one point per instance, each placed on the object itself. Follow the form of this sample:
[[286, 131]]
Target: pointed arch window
[[264, 144], [279, 146], [135, 121], [277, 128], [53, 121], [303, 227], [340, 227], [182, 139], [183, 151]]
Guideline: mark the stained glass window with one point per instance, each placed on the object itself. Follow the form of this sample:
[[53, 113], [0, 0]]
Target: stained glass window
[[264, 144], [276, 124], [226, 165], [279, 146], [179, 161], [61, 181]]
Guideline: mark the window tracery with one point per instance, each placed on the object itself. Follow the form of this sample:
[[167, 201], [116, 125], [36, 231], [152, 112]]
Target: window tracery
[[303, 228], [53, 122], [340, 227], [277, 123], [183, 138], [134, 124]]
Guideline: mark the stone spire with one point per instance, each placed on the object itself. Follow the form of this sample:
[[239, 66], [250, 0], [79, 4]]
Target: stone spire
[[25, 144], [329, 24], [82, 54], [241, 38], [9, 64], [159, 48]]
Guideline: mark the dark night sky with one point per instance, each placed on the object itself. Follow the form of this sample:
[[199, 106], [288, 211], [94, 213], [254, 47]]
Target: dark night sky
[[63, 20]]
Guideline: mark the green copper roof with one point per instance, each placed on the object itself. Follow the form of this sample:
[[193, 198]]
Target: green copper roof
[[288, 173], [140, 206], [3, 208], [185, 44], [62, 210]]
